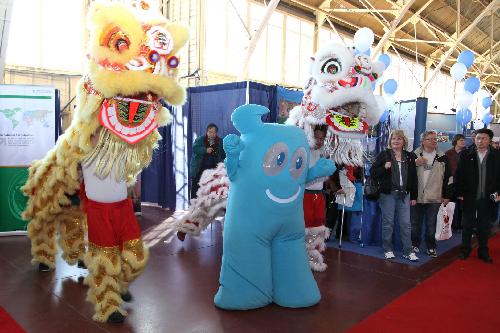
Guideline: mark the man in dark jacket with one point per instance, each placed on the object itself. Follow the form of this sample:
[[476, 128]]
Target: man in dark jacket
[[477, 184], [207, 153]]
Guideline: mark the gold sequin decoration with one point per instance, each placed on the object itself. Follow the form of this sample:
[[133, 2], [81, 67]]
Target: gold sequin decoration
[[136, 247], [111, 252]]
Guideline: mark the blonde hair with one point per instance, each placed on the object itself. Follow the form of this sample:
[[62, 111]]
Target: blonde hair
[[402, 135]]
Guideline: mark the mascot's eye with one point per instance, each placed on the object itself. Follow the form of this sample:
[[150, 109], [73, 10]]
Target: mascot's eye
[[275, 159], [281, 158], [298, 164], [331, 66]]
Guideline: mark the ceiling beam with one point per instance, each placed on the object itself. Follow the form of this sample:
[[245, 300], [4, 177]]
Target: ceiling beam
[[361, 10], [394, 25], [253, 42], [488, 64], [492, 6], [431, 26], [409, 40], [414, 15]]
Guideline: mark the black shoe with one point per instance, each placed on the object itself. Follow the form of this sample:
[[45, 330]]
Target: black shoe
[[181, 235], [127, 297], [115, 318], [432, 253], [463, 255], [81, 264], [43, 268], [486, 259]]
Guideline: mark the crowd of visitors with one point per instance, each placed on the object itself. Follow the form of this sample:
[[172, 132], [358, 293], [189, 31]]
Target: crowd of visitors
[[413, 185]]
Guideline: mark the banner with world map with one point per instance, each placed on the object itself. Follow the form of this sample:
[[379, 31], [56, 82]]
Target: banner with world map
[[27, 132], [27, 123]]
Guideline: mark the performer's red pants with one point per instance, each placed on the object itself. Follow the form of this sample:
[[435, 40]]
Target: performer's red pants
[[314, 209], [110, 224]]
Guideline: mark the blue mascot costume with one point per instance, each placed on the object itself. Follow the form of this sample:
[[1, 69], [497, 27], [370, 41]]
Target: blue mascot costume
[[264, 257]]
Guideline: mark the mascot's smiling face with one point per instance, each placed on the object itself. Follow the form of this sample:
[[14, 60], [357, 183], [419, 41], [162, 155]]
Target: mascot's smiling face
[[133, 52], [274, 164]]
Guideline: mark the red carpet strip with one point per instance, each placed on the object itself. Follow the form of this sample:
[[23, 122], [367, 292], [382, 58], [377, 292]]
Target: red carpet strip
[[463, 297], [8, 324]]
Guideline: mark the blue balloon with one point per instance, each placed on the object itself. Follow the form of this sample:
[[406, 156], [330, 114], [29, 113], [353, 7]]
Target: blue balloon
[[367, 52], [384, 116], [459, 118], [486, 102], [467, 115], [472, 84], [466, 57], [487, 118], [390, 86], [385, 59]]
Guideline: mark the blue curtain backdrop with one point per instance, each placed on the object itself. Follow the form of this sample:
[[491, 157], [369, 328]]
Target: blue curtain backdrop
[[158, 180]]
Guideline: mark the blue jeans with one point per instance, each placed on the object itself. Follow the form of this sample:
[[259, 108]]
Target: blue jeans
[[391, 204]]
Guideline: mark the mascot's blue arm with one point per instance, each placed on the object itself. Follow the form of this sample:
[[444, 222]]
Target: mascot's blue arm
[[232, 146], [323, 168]]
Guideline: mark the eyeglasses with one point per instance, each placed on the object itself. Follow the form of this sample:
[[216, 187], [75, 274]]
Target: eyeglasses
[[431, 139]]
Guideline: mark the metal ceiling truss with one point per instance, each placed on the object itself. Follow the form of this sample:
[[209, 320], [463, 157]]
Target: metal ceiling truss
[[443, 40]]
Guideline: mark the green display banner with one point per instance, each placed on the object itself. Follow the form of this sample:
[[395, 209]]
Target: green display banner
[[12, 200]]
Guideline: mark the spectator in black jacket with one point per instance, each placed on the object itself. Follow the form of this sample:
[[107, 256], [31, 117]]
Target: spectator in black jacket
[[395, 170], [477, 184]]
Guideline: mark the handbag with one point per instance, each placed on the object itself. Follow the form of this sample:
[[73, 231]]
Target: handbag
[[372, 188]]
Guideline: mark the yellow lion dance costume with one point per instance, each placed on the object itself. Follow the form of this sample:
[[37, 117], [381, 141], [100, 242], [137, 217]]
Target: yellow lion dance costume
[[132, 66]]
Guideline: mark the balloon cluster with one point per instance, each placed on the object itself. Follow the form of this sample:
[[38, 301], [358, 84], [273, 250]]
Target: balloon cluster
[[471, 86], [363, 40]]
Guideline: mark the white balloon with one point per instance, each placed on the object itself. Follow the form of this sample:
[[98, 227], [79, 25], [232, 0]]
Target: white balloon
[[378, 67], [478, 123], [381, 103], [458, 71], [465, 99], [390, 100], [363, 39], [482, 94]]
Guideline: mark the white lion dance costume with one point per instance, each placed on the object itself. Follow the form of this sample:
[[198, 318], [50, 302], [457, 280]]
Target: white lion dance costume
[[210, 203], [338, 94], [132, 66]]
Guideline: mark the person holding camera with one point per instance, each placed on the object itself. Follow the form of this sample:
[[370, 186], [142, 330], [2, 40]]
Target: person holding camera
[[207, 153], [477, 184]]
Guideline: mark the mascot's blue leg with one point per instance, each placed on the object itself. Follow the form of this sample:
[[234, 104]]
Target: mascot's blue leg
[[294, 284], [246, 278]]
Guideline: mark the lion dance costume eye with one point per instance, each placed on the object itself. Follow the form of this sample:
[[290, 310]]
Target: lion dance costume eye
[[132, 58]]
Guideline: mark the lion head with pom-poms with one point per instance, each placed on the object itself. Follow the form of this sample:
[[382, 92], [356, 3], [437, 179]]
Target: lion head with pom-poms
[[339, 94]]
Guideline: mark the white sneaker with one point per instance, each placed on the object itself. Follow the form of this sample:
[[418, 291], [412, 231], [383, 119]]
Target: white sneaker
[[389, 255], [416, 249], [412, 257]]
